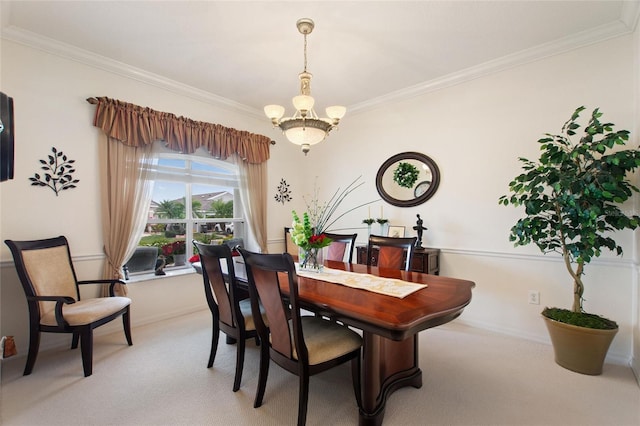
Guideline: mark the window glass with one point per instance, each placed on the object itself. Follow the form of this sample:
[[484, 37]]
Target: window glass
[[213, 215]]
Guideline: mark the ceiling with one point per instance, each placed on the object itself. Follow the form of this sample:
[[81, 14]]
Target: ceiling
[[249, 53]]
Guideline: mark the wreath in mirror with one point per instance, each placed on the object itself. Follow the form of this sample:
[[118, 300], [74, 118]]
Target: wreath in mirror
[[405, 175]]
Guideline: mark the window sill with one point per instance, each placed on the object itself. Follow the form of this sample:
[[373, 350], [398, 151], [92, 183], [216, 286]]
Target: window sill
[[169, 272]]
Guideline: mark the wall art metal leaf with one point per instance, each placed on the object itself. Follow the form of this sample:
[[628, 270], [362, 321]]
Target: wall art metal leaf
[[284, 193], [58, 169]]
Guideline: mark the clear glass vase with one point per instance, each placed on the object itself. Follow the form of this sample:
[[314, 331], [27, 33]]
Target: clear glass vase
[[311, 260], [179, 259]]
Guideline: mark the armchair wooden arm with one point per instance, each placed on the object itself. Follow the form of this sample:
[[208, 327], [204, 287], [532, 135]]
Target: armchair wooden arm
[[60, 300], [112, 283]]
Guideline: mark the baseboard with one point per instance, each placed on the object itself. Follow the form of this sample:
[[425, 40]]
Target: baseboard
[[64, 340], [611, 358], [635, 367]]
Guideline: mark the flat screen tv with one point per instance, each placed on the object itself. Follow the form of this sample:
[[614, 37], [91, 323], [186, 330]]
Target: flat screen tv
[[6, 137]]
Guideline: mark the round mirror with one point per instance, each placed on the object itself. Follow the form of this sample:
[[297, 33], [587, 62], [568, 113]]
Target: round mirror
[[407, 179]]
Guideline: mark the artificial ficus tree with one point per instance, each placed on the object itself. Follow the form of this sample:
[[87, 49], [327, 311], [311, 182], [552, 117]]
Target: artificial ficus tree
[[572, 195]]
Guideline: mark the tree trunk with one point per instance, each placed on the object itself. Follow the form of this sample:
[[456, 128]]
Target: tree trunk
[[578, 289]]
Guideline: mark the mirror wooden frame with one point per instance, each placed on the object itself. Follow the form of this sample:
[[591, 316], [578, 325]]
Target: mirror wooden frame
[[433, 187]]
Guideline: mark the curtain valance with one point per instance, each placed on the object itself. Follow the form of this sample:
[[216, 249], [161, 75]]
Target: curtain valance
[[136, 126]]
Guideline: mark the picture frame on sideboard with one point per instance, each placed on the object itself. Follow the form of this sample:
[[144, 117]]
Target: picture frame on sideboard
[[396, 231]]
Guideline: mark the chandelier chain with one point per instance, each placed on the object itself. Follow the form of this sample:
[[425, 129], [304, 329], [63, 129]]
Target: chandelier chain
[[305, 52]]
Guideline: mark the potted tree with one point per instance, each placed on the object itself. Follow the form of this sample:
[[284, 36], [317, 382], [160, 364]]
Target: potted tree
[[572, 196]]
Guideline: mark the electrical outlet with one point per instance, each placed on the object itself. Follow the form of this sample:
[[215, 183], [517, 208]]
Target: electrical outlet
[[534, 297]]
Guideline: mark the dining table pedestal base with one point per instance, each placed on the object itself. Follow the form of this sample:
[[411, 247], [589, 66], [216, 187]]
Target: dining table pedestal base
[[387, 365]]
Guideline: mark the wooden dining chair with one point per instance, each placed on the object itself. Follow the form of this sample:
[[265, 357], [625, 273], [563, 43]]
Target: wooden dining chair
[[391, 251], [302, 345], [341, 244], [289, 246], [230, 308], [49, 281]]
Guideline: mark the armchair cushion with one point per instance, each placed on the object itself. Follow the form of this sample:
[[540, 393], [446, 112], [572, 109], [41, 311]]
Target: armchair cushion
[[87, 311], [50, 274]]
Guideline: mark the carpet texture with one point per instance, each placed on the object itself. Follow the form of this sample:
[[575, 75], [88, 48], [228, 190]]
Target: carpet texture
[[470, 377]]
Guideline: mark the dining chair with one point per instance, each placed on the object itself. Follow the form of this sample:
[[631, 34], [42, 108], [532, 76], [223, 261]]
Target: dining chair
[[302, 345], [230, 308], [391, 251], [341, 244], [52, 289], [289, 246]]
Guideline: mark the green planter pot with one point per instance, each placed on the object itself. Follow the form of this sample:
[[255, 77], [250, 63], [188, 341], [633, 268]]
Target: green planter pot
[[579, 349]]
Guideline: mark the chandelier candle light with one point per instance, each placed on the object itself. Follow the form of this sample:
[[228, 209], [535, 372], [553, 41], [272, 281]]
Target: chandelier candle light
[[305, 128]]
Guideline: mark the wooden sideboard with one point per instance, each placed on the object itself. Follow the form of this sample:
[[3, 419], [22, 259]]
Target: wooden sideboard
[[426, 260]]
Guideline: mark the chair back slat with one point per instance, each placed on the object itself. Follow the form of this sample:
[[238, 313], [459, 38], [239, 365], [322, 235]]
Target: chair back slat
[[264, 272], [219, 294], [341, 244], [336, 251], [391, 257], [391, 251], [268, 288]]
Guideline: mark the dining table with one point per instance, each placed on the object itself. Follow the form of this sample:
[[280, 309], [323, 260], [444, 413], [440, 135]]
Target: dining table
[[390, 324]]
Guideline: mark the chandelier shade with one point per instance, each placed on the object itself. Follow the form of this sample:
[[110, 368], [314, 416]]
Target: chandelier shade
[[305, 128]]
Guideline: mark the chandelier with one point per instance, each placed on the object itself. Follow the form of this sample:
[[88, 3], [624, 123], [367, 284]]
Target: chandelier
[[305, 128]]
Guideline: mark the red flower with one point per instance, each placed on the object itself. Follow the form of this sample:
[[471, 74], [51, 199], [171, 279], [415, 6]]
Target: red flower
[[319, 241], [194, 258]]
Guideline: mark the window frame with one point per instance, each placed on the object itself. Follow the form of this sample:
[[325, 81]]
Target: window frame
[[192, 176]]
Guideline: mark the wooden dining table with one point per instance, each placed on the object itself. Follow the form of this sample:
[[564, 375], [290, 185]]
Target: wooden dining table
[[389, 325]]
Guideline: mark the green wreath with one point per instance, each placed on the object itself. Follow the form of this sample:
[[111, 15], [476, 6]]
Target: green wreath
[[405, 175]]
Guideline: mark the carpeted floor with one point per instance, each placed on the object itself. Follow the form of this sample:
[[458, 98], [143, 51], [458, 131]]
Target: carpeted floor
[[470, 377]]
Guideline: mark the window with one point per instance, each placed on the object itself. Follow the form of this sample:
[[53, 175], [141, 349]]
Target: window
[[213, 215]]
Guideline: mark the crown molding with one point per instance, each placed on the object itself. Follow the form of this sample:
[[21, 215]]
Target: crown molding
[[630, 14], [629, 18], [582, 39], [85, 57]]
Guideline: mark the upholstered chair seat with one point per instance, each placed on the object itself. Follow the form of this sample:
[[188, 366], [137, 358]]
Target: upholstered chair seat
[[326, 340], [85, 312]]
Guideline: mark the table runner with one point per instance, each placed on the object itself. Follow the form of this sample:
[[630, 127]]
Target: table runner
[[387, 286]]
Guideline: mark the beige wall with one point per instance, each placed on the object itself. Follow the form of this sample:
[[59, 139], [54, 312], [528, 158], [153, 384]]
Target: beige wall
[[51, 111], [474, 131], [636, 313]]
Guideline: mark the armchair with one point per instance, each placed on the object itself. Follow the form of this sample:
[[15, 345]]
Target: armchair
[[52, 290]]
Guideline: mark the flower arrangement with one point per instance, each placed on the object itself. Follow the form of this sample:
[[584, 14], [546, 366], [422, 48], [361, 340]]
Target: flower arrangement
[[176, 247], [405, 175], [308, 232], [303, 235], [368, 221]]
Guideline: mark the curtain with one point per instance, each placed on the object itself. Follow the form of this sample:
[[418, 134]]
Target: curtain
[[136, 126], [253, 192], [131, 131], [126, 196]]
